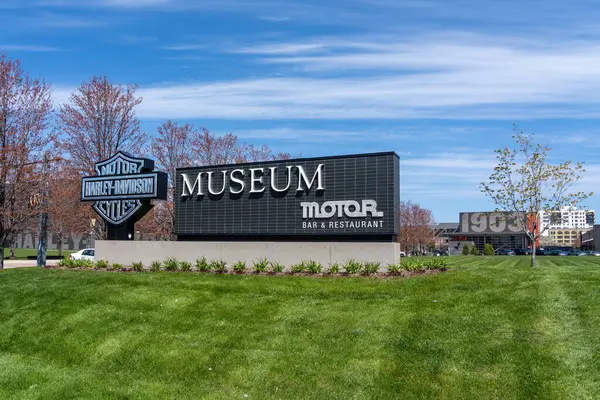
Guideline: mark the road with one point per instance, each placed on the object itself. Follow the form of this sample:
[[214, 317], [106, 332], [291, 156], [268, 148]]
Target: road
[[25, 263]]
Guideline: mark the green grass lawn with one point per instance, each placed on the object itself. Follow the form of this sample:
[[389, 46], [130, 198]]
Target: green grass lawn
[[24, 253], [491, 328]]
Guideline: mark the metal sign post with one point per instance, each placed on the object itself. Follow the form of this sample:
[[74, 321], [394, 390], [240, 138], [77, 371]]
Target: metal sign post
[[42, 246]]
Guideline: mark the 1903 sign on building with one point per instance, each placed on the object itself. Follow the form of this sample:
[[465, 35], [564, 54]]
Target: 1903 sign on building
[[122, 191], [347, 196]]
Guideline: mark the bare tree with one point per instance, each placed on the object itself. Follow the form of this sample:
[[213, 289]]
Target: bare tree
[[525, 182], [98, 121], [67, 214], [172, 148], [217, 150], [25, 108], [416, 222]]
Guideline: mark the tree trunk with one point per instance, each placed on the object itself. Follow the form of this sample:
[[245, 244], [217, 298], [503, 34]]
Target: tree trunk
[[12, 249], [2, 259], [533, 262], [59, 244]]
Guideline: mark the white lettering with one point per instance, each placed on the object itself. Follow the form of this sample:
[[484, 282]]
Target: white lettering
[[254, 179], [274, 179], [302, 177], [239, 181], [370, 206], [309, 209], [188, 189], [210, 178], [348, 208]]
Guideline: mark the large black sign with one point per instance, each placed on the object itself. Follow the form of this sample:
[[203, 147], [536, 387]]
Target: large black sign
[[122, 191], [343, 195]]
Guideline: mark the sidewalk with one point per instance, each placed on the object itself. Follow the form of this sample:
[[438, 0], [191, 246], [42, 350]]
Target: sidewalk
[[25, 263]]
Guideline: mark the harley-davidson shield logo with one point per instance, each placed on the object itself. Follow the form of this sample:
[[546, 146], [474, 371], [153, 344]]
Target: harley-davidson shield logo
[[122, 186]]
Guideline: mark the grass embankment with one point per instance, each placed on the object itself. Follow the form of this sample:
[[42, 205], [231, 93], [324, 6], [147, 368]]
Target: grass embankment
[[491, 328], [22, 254]]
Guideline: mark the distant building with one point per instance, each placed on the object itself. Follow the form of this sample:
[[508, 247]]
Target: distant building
[[499, 229], [564, 227], [443, 232]]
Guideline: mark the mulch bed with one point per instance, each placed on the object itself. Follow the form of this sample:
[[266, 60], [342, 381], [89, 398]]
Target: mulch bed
[[381, 275]]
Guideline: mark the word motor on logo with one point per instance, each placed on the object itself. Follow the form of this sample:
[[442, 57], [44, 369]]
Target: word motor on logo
[[348, 208]]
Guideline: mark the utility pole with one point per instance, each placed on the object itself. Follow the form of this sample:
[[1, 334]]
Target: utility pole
[[41, 255]]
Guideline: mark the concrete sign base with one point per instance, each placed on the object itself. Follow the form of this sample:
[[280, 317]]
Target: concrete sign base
[[286, 253]]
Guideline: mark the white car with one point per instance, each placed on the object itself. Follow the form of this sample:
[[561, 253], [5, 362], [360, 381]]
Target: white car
[[85, 254]]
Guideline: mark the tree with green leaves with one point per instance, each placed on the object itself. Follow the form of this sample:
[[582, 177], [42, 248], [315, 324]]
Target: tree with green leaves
[[465, 250], [474, 251], [527, 181]]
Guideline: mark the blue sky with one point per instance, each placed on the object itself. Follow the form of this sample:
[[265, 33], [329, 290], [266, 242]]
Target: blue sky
[[439, 82]]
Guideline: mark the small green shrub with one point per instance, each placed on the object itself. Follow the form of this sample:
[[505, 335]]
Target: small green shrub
[[65, 263], [334, 268], [185, 266], [261, 265], [239, 267], [171, 264], [118, 266], [488, 250], [352, 266], [412, 264], [137, 266], [436, 263], [277, 267], [202, 265], [393, 269], [370, 268], [218, 266], [313, 267], [465, 250], [84, 264], [155, 266], [298, 268], [474, 251], [102, 264]]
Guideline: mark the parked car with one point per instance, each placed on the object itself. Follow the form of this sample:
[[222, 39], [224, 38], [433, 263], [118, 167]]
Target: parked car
[[85, 254], [505, 252], [438, 253], [577, 253], [561, 253], [523, 252], [593, 253], [402, 254], [540, 252]]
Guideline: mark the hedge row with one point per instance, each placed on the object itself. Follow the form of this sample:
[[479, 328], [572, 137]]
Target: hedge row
[[350, 267]]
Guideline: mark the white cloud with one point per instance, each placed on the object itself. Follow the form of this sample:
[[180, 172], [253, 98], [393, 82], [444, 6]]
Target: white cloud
[[324, 135], [28, 48], [462, 77], [282, 48], [457, 175], [185, 47], [273, 18]]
